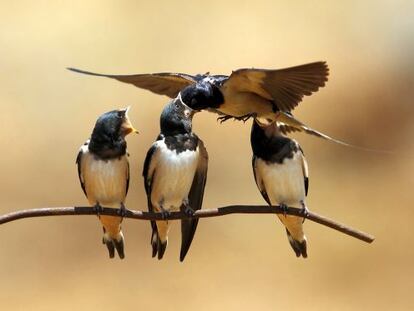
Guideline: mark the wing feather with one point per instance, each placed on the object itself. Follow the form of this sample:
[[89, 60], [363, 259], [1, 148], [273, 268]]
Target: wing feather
[[195, 197], [164, 83], [148, 173], [285, 87], [259, 183], [79, 164]]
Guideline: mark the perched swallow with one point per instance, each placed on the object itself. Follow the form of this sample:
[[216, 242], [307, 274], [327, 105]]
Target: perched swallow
[[281, 174], [175, 172], [103, 170], [245, 93]]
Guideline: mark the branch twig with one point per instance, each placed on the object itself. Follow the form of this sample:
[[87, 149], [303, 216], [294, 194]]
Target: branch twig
[[204, 213]]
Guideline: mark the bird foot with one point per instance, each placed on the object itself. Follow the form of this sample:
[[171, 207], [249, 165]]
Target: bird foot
[[246, 117], [98, 209], [223, 119], [242, 118], [165, 214], [189, 211], [284, 208], [122, 211]]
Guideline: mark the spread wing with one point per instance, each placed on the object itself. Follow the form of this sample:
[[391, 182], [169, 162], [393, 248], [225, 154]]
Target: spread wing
[[259, 182], [165, 83], [285, 87], [148, 173], [195, 197], [79, 164]]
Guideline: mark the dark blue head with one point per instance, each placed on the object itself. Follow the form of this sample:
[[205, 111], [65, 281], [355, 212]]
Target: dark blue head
[[176, 118], [108, 136], [202, 95]]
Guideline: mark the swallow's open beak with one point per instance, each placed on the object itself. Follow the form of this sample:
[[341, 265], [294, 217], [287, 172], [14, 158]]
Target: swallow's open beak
[[127, 127]]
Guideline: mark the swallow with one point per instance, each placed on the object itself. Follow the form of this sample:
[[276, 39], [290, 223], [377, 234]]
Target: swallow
[[103, 170], [263, 93], [175, 173], [281, 174]]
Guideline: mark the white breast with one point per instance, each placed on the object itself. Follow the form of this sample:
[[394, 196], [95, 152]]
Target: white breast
[[105, 180], [174, 174], [284, 183]]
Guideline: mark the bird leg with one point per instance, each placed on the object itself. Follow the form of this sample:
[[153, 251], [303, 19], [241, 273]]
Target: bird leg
[[187, 208]]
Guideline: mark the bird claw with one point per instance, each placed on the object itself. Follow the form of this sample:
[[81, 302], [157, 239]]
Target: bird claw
[[189, 211], [122, 211], [284, 208], [246, 118], [223, 119], [98, 209], [242, 118], [165, 214]]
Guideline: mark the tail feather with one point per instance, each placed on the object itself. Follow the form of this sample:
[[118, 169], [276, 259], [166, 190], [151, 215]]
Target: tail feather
[[113, 244], [158, 247], [154, 242], [119, 246], [288, 123], [188, 228], [300, 248], [161, 247], [111, 248]]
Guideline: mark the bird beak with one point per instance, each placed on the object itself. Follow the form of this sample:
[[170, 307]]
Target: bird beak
[[127, 127]]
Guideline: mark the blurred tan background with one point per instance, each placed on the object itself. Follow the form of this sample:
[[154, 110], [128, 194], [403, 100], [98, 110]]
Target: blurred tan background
[[236, 262]]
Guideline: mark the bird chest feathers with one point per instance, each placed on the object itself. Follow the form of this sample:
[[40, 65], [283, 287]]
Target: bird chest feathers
[[105, 180], [173, 176], [284, 182]]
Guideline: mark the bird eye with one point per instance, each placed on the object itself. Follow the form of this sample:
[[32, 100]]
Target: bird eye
[[121, 114]]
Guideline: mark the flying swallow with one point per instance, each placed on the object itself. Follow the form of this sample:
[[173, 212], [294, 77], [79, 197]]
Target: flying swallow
[[175, 172], [266, 94], [103, 170], [281, 174], [245, 93]]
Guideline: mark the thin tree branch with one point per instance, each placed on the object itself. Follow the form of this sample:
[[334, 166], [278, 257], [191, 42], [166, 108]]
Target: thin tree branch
[[204, 213]]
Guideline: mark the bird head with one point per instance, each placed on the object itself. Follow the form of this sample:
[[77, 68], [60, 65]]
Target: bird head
[[202, 95], [177, 117], [114, 124], [108, 136]]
